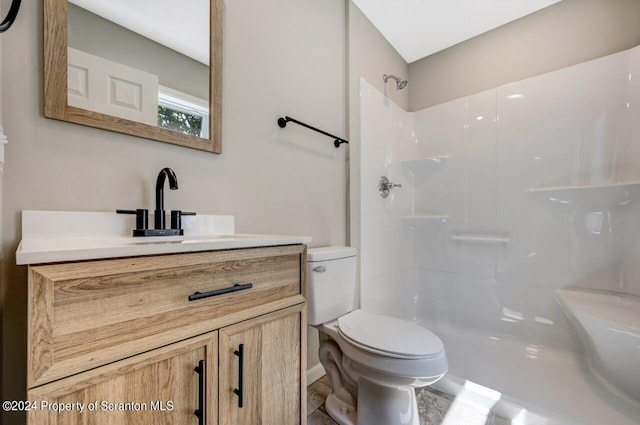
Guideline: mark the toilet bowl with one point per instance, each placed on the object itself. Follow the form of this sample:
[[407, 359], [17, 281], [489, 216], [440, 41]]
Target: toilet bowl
[[374, 362]]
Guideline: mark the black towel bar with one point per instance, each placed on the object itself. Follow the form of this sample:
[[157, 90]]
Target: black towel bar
[[282, 122]]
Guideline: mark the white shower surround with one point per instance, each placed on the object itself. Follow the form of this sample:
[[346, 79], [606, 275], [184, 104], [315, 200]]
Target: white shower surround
[[525, 189]]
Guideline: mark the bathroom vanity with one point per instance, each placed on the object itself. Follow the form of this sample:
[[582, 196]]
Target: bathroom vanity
[[193, 330]]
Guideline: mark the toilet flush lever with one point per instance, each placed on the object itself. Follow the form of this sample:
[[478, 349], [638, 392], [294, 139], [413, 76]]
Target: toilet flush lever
[[319, 269], [385, 186]]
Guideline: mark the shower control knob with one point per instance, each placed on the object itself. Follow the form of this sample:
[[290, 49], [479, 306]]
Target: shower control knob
[[385, 186]]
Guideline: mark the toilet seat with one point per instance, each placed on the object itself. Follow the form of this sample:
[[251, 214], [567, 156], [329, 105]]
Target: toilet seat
[[388, 336]]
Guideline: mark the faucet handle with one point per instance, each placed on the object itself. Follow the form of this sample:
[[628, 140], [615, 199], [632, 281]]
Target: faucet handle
[[142, 217], [385, 186], [176, 218]]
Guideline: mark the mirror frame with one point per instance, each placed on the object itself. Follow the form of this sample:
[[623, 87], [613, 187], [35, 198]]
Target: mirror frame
[[56, 97]]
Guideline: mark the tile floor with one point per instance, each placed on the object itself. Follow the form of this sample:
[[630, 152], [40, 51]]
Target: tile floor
[[433, 406], [317, 393]]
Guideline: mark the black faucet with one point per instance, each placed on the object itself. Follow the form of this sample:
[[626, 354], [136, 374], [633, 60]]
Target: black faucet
[[159, 220]]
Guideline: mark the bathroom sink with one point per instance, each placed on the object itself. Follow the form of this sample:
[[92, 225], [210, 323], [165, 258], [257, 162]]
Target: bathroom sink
[[238, 236], [53, 236], [49, 250], [191, 240]]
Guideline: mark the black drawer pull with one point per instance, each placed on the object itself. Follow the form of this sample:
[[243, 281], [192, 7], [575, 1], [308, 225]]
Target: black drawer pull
[[202, 379], [240, 390], [235, 288]]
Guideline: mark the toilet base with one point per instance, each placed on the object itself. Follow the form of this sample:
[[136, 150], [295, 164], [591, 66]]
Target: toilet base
[[363, 395], [400, 406], [339, 411], [382, 405]]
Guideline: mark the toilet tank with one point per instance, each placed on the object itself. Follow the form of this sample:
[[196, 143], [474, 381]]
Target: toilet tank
[[331, 282]]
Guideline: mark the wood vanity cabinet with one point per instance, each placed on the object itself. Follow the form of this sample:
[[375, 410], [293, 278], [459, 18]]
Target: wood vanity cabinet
[[161, 387], [152, 340], [271, 371]]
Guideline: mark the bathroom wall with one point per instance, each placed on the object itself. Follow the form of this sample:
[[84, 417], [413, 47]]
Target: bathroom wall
[[508, 195], [371, 56], [93, 34], [280, 57], [564, 34]]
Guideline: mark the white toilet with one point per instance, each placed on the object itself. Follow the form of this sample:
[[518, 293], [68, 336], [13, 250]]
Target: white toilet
[[374, 362]]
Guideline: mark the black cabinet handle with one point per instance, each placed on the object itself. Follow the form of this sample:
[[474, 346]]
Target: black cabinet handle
[[202, 379], [239, 391], [235, 288]]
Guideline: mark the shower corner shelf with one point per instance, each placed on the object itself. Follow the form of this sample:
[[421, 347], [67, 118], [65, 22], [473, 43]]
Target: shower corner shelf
[[604, 196], [419, 169]]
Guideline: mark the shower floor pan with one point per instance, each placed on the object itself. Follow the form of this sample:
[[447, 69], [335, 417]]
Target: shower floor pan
[[531, 385]]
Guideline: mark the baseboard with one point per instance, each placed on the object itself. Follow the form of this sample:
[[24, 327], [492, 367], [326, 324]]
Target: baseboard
[[314, 373]]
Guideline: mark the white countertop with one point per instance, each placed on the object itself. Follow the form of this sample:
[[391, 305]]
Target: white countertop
[[54, 236]]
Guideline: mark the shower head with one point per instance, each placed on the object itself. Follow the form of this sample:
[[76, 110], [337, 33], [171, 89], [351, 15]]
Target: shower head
[[400, 83]]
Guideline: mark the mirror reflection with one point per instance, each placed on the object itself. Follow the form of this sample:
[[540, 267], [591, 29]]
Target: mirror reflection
[[145, 64]]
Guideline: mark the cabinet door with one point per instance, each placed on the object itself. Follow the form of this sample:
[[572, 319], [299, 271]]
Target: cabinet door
[[262, 381], [158, 387]]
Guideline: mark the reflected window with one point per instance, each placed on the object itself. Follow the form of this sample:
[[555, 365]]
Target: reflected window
[[184, 113]]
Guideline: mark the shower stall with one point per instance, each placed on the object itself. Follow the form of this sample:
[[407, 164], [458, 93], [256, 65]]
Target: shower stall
[[508, 200]]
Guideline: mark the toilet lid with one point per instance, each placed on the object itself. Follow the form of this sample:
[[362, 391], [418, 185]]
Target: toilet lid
[[389, 336]]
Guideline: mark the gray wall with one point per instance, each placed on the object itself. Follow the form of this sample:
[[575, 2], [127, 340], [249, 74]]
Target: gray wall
[[567, 33], [93, 34], [280, 57], [371, 56]]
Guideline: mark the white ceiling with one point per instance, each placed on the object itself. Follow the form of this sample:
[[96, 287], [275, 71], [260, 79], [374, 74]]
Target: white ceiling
[[415, 28], [179, 25], [419, 28]]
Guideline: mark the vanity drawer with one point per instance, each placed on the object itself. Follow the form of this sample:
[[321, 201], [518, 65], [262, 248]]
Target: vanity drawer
[[87, 314]]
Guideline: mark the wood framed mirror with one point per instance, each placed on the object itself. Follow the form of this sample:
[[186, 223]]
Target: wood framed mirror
[[99, 89]]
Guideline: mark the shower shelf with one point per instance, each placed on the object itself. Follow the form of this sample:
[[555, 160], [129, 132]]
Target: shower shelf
[[426, 217], [491, 239], [597, 196], [419, 169]]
